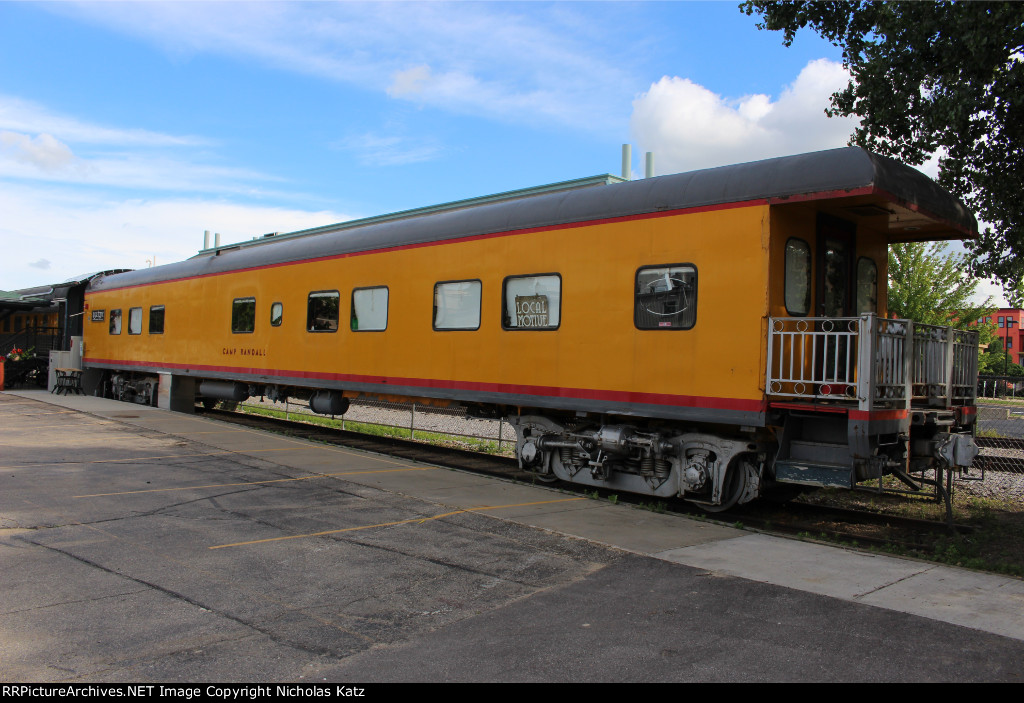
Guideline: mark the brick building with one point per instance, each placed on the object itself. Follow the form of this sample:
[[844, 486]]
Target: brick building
[[1010, 330]]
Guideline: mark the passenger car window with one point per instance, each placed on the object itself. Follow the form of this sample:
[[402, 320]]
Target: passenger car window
[[457, 305], [243, 315], [322, 311], [369, 309], [156, 319], [867, 286], [276, 314], [135, 321], [665, 297], [532, 302], [798, 277], [115, 322]]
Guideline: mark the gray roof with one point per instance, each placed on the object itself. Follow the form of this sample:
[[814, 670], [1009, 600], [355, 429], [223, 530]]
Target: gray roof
[[822, 173], [16, 301]]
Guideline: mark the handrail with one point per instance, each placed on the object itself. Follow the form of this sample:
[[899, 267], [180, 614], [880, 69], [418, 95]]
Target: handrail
[[875, 362]]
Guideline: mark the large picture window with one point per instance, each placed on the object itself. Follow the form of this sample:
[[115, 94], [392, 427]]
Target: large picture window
[[156, 319], [798, 277], [532, 302], [135, 321], [322, 311], [665, 297], [369, 309], [243, 315], [457, 305]]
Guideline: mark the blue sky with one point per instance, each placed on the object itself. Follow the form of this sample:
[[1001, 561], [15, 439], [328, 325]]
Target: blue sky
[[126, 129]]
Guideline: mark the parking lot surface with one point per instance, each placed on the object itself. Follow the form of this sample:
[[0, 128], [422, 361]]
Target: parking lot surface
[[141, 545]]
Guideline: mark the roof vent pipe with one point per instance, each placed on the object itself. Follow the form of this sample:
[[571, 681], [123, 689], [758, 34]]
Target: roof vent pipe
[[649, 169], [206, 239], [627, 160], [216, 239]]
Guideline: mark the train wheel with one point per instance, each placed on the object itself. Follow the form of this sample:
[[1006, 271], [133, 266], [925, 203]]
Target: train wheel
[[740, 478]]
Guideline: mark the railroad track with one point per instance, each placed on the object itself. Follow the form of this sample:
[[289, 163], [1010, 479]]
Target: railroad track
[[793, 518], [392, 446]]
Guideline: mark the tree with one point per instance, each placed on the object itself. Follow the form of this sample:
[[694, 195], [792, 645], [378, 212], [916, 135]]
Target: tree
[[926, 285], [995, 361], [929, 78]]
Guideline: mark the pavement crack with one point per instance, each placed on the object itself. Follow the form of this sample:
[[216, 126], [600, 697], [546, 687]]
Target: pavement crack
[[439, 562], [72, 602], [269, 634], [891, 583]]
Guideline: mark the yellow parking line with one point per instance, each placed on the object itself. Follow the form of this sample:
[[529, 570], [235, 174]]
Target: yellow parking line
[[58, 412], [66, 426], [418, 520], [115, 423], [258, 483], [143, 458]]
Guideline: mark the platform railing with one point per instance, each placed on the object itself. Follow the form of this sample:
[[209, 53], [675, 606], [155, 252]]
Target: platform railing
[[964, 376], [810, 357], [871, 361]]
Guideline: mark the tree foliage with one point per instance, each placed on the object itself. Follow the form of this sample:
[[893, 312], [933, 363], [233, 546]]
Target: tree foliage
[[996, 361], [928, 285], [928, 78]]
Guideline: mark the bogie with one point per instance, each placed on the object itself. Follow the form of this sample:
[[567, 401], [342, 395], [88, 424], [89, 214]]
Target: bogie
[[713, 471]]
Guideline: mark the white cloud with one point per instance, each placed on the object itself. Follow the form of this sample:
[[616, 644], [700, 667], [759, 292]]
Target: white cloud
[[372, 149], [990, 289], [43, 152], [137, 171], [409, 82], [517, 64], [80, 233], [690, 127], [40, 145], [25, 116]]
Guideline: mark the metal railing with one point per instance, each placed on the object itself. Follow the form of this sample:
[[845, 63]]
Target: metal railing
[[813, 357], [875, 362], [964, 379]]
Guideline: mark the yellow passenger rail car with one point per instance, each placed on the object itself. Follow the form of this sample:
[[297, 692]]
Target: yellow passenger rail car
[[701, 334]]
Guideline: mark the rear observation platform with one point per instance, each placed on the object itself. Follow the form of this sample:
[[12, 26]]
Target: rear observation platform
[[865, 397]]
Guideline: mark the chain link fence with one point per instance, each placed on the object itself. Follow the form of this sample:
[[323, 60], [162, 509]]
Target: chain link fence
[[1000, 429], [1000, 437], [1001, 387], [424, 423]]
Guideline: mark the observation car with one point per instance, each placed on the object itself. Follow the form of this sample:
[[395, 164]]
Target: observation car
[[702, 335]]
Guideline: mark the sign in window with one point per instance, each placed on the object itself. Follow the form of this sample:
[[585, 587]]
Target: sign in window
[[532, 302]]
